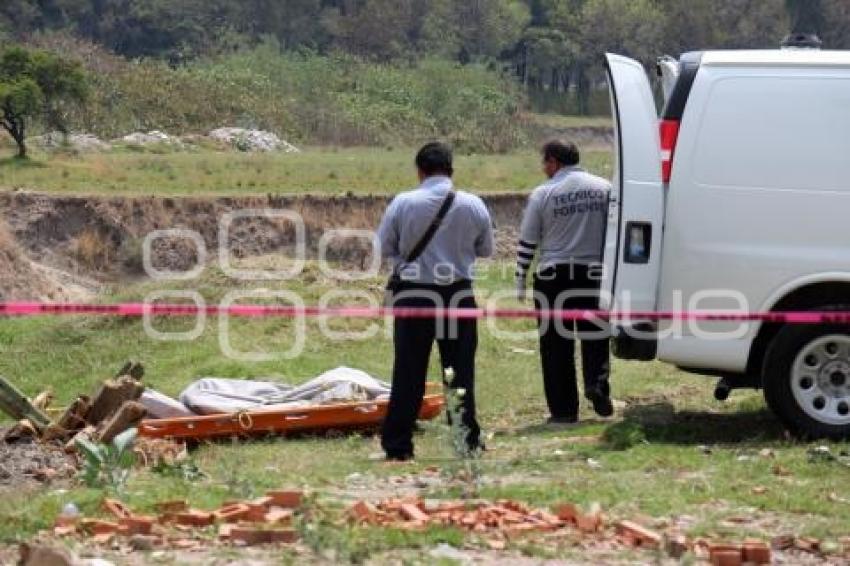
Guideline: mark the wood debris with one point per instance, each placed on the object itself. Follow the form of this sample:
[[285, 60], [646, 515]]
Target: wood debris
[[112, 410]]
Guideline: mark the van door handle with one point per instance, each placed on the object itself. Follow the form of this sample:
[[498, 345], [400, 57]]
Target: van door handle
[[638, 242]]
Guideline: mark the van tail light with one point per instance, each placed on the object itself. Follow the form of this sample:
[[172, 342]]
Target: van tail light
[[669, 137]]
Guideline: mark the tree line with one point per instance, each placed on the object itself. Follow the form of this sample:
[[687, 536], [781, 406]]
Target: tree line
[[547, 45]]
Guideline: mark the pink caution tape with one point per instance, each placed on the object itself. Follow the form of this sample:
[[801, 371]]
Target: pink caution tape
[[23, 309]]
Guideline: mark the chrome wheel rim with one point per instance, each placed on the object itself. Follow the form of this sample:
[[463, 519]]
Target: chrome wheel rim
[[820, 379]]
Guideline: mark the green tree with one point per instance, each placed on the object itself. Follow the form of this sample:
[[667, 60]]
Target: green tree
[[36, 84], [489, 29], [807, 16]]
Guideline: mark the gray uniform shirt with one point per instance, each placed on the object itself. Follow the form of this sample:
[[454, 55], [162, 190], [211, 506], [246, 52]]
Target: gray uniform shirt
[[465, 234], [566, 219]]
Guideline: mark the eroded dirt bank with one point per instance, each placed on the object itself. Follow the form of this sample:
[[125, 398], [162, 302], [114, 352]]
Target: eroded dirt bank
[[54, 247]]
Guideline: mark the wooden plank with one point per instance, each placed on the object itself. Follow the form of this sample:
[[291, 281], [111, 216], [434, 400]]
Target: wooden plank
[[16, 405]]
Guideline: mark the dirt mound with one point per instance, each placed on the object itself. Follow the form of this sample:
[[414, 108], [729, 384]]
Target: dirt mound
[[23, 279], [103, 237]]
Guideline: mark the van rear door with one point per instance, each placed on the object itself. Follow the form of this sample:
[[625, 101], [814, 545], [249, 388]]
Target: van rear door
[[636, 214]]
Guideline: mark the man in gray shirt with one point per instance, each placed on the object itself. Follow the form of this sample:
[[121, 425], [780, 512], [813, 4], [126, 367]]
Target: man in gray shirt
[[565, 222], [440, 276]]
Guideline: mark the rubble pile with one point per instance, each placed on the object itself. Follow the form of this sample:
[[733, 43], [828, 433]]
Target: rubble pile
[[504, 520], [154, 137], [252, 140], [267, 520]]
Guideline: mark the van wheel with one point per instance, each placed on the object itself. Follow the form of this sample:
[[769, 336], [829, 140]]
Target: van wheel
[[806, 380]]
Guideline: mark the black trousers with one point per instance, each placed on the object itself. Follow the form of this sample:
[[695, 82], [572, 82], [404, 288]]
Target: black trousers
[[413, 339], [557, 339]]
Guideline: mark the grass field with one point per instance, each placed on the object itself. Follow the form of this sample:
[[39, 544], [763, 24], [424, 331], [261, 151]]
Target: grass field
[[672, 455], [316, 170]]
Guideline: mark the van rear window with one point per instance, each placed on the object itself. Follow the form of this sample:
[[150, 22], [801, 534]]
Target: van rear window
[[775, 133]]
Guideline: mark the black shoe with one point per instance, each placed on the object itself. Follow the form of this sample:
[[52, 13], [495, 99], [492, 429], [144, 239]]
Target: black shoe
[[562, 421], [602, 405]]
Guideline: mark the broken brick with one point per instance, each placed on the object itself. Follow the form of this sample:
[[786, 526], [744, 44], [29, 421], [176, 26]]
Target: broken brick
[[136, 525], [726, 558], [66, 521], [289, 499], [224, 531], [262, 502], [362, 511], [195, 519], [116, 508], [97, 527], [413, 513], [589, 523], [256, 513], [807, 544], [232, 513], [185, 543], [638, 535], [757, 553], [251, 537], [567, 512], [278, 516], [725, 547]]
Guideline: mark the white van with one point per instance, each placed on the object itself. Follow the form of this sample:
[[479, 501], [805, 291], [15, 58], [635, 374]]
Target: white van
[[741, 200]]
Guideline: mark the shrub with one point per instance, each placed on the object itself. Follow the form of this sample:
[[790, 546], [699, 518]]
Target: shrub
[[303, 97]]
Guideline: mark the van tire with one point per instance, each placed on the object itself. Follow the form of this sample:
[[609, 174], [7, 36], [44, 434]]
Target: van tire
[[782, 356]]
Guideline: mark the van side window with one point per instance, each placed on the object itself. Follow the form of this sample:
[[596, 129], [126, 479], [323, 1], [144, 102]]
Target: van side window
[[770, 132]]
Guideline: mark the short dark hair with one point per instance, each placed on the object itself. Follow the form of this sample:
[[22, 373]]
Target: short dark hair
[[435, 159], [565, 153]]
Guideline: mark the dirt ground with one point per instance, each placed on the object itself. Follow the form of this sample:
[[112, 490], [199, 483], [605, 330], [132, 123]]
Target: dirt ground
[[29, 464]]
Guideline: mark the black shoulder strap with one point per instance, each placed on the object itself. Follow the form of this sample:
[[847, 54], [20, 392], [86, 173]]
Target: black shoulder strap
[[432, 229]]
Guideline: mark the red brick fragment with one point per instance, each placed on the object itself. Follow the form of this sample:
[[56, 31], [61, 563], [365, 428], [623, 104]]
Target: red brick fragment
[[251, 537], [193, 518], [808, 544], [117, 509], [726, 558], [757, 553], [136, 525], [232, 513], [278, 516], [638, 535], [224, 531], [262, 502], [567, 512], [362, 511], [289, 499], [97, 527], [589, 523], [413, 513], [256, 512]]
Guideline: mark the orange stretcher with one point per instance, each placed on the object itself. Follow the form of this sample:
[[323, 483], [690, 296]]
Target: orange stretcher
[[321, 418]]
